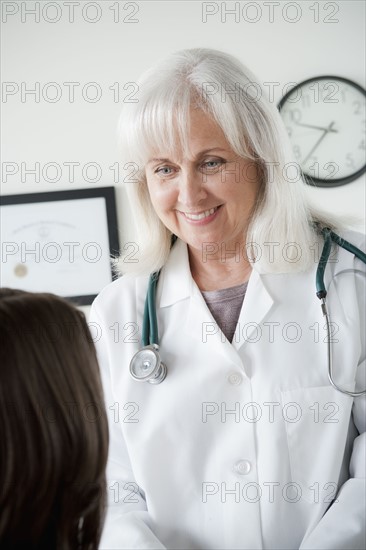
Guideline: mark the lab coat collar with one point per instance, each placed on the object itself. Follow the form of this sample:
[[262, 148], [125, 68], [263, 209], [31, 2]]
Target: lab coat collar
[[177, 284]]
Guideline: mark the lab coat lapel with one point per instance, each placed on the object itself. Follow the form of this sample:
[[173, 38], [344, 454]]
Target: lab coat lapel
[[175, 279], [177, 284], [202, 326], [257, 303]]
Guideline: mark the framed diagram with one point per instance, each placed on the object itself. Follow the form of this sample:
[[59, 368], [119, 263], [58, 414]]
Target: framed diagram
[[61, 242]]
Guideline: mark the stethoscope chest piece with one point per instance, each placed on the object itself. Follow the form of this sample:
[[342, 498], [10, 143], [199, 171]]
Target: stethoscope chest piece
[[146, 366]]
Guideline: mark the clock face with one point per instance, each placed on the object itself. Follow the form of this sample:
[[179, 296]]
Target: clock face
[[325, 118]]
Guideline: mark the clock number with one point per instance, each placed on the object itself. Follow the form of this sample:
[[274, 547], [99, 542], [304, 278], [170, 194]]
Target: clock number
[[333, 167], [357, 105], [295, 115], [328, 98], [297, 152], [350, 160], [343, 92], [289, 130]]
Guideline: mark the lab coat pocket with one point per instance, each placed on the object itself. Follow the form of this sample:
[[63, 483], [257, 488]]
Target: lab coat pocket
[[317, 421]]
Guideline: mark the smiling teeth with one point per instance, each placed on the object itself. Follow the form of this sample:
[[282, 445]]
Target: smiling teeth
[[200, 216]]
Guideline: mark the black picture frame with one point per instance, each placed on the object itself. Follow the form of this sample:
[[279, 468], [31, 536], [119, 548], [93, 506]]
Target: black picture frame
[[108, 225]]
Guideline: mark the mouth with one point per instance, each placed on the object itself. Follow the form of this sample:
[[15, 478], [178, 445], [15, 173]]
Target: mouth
[[201, 215]]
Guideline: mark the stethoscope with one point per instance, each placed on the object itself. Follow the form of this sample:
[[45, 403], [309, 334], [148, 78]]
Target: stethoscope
[[146, 365]]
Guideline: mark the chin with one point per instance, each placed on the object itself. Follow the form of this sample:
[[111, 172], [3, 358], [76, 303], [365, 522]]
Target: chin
[[200, 244]]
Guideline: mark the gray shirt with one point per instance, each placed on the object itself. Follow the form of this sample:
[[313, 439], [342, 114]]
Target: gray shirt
[[225, 306]]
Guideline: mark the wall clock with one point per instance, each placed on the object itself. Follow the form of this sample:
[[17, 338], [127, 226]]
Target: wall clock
[[325, 118]]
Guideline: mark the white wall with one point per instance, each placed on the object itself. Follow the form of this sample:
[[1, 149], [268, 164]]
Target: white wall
[[327, 38]]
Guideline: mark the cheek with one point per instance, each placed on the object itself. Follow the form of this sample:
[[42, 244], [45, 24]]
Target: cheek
[[237, 194], [249, 185], [162, 197]]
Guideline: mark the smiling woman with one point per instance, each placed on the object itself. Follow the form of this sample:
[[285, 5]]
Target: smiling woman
[[211, 92], [206, 197], [232, 247]]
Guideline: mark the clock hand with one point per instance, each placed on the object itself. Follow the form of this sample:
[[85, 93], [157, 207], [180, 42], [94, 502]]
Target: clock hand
[[316, 127], [325, 132]]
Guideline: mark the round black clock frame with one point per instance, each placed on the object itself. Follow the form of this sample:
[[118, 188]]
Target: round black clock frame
[[312, 180]]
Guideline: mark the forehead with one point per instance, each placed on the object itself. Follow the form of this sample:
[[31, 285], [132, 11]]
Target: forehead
[[202, 135], [191, 154]]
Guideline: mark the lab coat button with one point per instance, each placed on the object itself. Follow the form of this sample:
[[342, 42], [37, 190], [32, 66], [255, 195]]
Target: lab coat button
[[242, 467], [235, 378]]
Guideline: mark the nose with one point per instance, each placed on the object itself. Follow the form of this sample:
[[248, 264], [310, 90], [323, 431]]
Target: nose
[[191, 188]]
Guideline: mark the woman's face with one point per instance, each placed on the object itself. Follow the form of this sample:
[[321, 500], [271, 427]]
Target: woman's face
[[207, 196]]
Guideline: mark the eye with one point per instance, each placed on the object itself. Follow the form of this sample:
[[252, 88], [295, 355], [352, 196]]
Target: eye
[[212, 165], [164, 171]]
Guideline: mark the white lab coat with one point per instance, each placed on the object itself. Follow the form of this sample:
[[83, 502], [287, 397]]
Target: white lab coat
[[244, 445]]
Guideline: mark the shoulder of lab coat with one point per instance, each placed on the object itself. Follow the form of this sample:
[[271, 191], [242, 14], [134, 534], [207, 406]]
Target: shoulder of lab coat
[[128, 524], [343, 525]]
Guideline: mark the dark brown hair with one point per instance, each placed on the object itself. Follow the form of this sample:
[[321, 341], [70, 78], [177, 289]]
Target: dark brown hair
[[53, 426]]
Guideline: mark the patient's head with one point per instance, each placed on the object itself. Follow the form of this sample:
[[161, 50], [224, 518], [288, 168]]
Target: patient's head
[[53, 425]]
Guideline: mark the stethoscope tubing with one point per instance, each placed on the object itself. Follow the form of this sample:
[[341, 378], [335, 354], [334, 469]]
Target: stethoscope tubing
[[330, 236], [150, 335], [330, 357]]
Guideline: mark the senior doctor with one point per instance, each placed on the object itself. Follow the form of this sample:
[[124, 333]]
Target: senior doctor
[[245, 444]]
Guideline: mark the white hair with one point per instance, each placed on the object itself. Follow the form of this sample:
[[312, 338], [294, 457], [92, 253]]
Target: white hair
[[222, 87]]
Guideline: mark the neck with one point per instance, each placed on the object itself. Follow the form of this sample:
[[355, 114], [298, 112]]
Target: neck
[[218, 271]]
